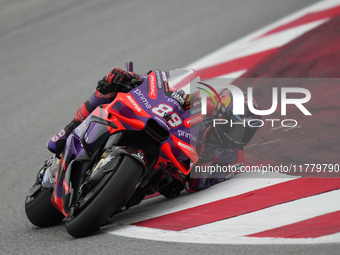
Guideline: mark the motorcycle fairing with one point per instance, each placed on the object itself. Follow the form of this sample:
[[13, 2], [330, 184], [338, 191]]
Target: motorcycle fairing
[[133, 111], [135, 108], [82, 147]]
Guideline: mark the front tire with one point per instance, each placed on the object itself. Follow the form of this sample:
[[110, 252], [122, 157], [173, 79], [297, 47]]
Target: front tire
[[40, 211], [110, 197]]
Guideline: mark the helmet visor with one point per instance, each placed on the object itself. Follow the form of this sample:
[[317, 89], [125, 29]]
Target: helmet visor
[[238, 132]]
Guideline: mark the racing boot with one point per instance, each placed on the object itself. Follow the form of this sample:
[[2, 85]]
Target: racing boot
[[57, 143], [174, 188]]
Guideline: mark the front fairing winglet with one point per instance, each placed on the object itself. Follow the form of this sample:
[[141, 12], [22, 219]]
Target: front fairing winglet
[[94, 119]]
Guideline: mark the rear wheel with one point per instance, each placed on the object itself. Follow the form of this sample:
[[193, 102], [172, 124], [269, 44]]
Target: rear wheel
[[83, 222]]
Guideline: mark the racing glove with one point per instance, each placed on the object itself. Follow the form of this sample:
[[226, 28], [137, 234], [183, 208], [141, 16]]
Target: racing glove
[[118, 80]]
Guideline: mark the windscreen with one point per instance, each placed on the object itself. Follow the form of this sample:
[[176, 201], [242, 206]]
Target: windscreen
[[181, 78]]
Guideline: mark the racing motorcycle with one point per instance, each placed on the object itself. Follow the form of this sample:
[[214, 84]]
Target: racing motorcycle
[[115, 152]]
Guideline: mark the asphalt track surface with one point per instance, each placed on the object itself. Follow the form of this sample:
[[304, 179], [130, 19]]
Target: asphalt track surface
[[53, 53]]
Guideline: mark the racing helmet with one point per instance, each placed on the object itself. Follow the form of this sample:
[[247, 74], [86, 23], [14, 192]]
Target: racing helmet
[[237, 130]]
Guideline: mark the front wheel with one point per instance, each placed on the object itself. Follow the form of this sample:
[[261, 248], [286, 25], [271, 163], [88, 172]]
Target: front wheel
[[40, 210], [110, 197]]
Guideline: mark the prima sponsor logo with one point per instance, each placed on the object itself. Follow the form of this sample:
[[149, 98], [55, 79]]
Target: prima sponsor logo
[[186, 135], [133, 102], [142, 98], [178, 97], [171, 100]]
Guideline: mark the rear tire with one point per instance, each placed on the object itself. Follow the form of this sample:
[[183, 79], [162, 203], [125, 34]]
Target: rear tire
[[40, 211], [108, 199]]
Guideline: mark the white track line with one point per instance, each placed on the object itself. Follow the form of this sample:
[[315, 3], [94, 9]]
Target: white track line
[[273, 217], [234, 48], [246, 48], [240, 184], [233, 230]]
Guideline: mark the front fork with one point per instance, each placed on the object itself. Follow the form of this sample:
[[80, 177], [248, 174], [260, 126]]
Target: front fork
[[45, 178], [49, 178]]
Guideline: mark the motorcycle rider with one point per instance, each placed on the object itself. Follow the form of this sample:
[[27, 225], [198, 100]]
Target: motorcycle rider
[[105, 93], [221, 144]]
